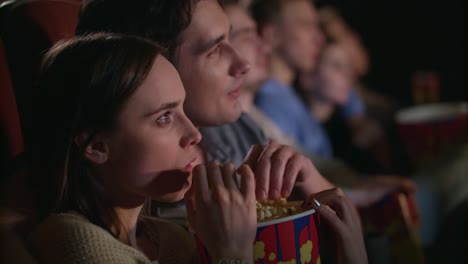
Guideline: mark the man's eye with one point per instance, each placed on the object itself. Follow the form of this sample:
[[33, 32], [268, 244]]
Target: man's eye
[[214, 51]]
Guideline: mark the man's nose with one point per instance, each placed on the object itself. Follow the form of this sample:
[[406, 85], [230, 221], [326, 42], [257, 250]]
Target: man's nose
[[239, 65]]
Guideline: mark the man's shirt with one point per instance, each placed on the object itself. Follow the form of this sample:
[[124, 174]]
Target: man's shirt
[[286, 109]]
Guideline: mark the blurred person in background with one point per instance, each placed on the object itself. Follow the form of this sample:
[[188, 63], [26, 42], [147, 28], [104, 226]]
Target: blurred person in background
[[371, 126], [291, 29], [245, 39], [357, 140]]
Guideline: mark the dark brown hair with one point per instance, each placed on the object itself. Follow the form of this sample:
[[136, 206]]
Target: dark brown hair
[[266, 11], [84, 84], [159, 20]]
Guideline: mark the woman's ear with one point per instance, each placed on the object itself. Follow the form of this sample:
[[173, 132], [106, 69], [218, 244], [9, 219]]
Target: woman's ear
[[96, 150]]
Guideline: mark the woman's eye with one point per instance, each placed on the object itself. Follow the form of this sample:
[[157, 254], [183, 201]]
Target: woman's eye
[[164, 119]]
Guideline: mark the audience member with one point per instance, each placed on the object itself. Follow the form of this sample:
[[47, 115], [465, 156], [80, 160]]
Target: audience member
[[110, 134]]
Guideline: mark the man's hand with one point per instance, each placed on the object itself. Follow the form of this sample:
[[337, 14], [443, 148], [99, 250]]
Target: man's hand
[[279, 169]]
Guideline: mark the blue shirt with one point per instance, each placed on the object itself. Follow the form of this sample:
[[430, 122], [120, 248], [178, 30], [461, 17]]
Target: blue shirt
[[286, 109], [231, 142], [353, 107]]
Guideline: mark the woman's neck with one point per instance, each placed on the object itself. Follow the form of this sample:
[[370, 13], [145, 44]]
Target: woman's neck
[[129, 235], [321, 109], [281, 71], [128, 224]]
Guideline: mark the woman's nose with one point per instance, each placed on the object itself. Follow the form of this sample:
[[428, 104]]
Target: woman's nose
[[192, 135]]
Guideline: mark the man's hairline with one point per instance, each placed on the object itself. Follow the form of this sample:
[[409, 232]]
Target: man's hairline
[[179, 39]]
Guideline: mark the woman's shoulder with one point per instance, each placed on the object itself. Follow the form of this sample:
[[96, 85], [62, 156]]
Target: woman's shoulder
[[68, 226], [167, 231], [71, 238], [176, 245]]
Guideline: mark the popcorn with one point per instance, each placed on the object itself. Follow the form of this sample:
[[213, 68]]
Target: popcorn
[[273, 209]]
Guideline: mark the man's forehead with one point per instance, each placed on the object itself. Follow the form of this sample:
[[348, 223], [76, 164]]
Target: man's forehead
[[208, 22], [240, 20], [298, 9]]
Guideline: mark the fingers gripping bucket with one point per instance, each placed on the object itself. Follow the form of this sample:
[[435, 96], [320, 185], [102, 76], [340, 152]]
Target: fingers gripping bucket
[[292, 239]]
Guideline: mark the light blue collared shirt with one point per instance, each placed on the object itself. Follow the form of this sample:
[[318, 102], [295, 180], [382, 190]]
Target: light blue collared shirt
[[286, 109]]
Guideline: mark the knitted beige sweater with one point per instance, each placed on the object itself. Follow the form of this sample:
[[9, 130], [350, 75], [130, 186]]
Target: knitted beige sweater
[[70, 238]]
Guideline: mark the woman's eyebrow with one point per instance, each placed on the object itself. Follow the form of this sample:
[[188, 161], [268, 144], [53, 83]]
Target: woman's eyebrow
[[165, 106]]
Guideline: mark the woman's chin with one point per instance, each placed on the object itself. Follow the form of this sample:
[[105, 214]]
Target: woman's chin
[[174, 196], [170, 198]]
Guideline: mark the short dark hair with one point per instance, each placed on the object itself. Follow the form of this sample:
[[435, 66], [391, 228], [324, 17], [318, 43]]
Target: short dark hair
[[266, 11], [231, 2], [84, 84], [159, 20]]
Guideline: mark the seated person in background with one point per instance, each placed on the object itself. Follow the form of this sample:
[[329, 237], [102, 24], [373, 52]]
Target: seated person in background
[[336, 29], [245, 39], [112, 134], [290, 27], [324, 91], [295, 41], [369, 119]]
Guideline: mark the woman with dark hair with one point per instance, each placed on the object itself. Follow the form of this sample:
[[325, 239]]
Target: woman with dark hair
[[111, 134]]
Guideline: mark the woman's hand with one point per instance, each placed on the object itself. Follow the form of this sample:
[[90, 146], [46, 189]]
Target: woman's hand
[[279, 169], [340, 217], [222, 214]]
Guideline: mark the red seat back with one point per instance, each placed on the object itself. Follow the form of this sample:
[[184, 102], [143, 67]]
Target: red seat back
[[29, 29], [9, 119]]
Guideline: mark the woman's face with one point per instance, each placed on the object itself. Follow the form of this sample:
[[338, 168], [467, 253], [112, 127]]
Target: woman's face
[[334, 74], [151, 151]]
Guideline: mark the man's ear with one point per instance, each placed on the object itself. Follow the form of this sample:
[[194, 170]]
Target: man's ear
[[96, 150]]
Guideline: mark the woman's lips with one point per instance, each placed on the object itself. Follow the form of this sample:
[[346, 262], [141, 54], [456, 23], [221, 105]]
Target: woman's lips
[[189, 166]]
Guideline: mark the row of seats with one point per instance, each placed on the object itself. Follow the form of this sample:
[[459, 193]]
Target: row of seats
[[28, 28]]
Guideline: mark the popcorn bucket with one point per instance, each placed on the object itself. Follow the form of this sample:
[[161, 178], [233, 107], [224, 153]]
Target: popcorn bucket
[[292, 239], [397, 218], [429, 130]]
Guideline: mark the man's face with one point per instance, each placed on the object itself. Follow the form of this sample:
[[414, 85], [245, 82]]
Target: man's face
[[245, 39], [299, 38], [210, 68]]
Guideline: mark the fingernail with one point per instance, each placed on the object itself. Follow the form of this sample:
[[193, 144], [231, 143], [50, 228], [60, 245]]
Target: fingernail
[[274, 194], [317, 203], [261, 195], [285, 193]]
